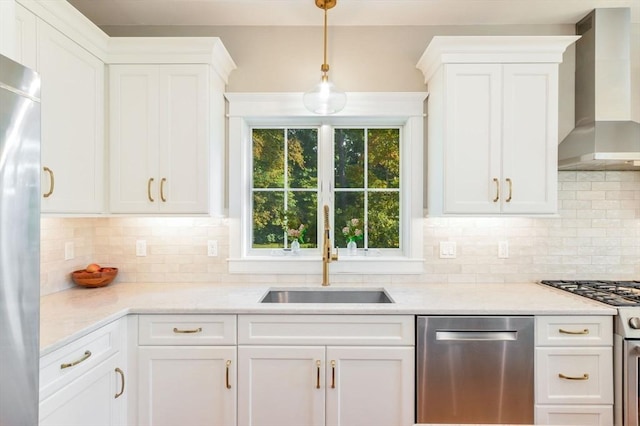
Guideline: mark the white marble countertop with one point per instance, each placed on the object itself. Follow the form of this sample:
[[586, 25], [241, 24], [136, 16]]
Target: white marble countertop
[[69, 314]]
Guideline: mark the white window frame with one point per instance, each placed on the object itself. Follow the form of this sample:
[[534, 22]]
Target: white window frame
[[397, 109]]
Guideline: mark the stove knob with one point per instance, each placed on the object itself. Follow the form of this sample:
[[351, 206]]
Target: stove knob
[[634, 323]]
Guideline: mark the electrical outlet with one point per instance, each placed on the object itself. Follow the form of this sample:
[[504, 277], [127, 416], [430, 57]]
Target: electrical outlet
[[447, 249], [503, 249], [69, 249], [141, 247], [212, 248]]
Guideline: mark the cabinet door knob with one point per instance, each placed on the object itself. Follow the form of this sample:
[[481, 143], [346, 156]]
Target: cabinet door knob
[[121, 373], [563, 331], [149, 190], [333, 374], [510, 189], [51, 182], [497, 197], [227, 384], [318, 374], [179, 331], [85, 357], [585, 376], [162, 197]]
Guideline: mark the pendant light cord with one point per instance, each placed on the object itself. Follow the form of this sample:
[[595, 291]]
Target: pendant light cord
[[325, 66]]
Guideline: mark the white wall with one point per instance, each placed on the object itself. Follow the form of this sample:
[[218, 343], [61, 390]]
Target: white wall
[[595, 236]]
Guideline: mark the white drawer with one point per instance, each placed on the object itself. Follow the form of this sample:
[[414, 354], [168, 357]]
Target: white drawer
[[385, 330], [574, 375], [187, 330], [595, 415], [574, 331], [64, 365]]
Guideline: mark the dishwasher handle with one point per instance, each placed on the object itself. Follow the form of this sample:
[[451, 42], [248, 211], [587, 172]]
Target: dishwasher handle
[[477, 335]]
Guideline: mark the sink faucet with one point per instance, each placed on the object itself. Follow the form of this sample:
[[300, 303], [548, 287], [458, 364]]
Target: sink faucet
[[327, 249]]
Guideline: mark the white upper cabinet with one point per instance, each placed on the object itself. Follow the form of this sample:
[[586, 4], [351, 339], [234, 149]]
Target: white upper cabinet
[[166, 127], [56, 41], [25, 38], [72, 124], [493, 124], [159, 138]]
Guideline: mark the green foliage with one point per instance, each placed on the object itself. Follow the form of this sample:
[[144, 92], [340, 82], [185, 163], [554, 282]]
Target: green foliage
[[285, 182]]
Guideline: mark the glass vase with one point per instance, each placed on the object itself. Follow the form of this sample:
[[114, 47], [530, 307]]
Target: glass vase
[[352, 248], [295, 247]]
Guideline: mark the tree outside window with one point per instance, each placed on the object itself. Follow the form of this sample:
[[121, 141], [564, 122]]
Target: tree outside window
[[285, 185]]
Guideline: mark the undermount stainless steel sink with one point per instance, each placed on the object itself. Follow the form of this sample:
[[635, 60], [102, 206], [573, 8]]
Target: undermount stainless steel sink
[[326, 296]]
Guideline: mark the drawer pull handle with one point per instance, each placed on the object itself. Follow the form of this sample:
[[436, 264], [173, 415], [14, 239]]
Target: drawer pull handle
[[333, 374], [510, 190], [162, 197], [195, 330], [585, 376], [228, 386], [149, 190], [563, 331], [51, 182], [318, 375], [121, 373], [495, 200], [86, 355]]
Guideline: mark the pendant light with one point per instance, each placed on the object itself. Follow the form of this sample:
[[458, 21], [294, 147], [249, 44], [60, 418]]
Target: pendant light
[[325, 98]]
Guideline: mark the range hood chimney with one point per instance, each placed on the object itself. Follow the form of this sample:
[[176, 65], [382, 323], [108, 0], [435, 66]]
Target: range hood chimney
[[604, 137]]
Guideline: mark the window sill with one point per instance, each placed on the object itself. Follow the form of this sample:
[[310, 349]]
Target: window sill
[[304, 265]]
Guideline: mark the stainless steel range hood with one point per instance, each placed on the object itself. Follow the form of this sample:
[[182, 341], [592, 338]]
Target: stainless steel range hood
[[604, 137]]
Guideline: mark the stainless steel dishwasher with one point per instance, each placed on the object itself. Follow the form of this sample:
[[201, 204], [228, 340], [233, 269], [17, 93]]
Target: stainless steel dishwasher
[[475, 370]]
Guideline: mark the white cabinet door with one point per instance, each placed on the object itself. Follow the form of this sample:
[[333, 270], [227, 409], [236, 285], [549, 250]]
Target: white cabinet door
[[498, 142], [134, 137], [281, 385], [184, 148], [472, 147], [94, 399], [72, 100], [187, 385], [25, 37], [370, 386], [530, 138], [159, 136]]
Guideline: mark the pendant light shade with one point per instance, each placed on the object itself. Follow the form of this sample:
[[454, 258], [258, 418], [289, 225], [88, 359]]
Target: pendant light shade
[[325, 98]]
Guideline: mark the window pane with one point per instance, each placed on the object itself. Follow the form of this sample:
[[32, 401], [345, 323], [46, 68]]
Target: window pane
[[384, 211], [349, 158], [384, 158], [349, 205], [303, 206], [303, 158], [268, 158], [267, 230]]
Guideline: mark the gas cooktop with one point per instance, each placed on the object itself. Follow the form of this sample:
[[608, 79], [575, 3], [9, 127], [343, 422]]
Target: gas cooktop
[[615, 293]]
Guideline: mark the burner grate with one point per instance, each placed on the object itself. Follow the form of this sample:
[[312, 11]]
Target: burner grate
[[615, 293]]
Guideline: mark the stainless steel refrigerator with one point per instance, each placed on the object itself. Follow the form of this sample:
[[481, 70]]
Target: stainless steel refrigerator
[[19, 243]]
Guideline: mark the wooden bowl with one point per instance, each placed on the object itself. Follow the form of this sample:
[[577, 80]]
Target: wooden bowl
[[100, 278]]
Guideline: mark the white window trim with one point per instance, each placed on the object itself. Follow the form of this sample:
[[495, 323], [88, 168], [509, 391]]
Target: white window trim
[[403, 109]]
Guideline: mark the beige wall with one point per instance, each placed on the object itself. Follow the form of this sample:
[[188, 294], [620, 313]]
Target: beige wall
[[287, 59]]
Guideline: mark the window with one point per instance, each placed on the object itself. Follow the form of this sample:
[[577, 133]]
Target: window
[[284, 193], [285, 165], [285, 190]]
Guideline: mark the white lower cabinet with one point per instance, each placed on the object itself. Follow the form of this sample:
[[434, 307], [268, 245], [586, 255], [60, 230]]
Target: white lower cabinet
[[292, 383], [186, 385], [186, 370], [574, 370], [83, 383]]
